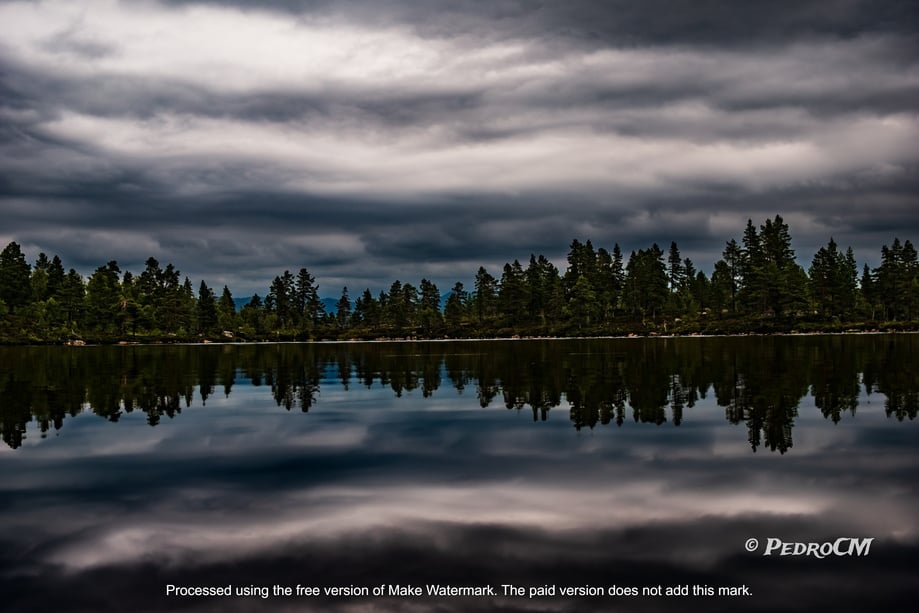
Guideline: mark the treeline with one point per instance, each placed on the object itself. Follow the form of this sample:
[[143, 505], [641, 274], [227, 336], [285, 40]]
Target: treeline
[[757, 285]]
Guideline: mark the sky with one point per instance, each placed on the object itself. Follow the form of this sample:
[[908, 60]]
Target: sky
[[377, 140]]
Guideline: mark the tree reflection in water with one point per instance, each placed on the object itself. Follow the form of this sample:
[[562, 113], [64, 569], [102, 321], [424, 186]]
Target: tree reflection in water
[[760, 381]]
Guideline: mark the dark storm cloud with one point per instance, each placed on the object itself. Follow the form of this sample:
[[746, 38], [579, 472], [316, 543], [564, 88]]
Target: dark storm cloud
[[374, 141], [619, 22]]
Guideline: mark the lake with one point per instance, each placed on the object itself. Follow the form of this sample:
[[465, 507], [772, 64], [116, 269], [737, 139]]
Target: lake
[[525, 475]]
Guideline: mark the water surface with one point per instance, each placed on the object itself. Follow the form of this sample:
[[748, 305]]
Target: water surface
[[613, 462]]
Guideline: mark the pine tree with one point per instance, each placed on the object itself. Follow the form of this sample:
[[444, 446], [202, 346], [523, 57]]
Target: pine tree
[[151, 295], [343, 309], [605, 285], [130, 302], [15, 273], [646, 283], [868, 293], [734, 259], [700, 290], [618, 270], [512, 295], [484, 297], [675, 272], [307, 306], [103, 298], [582, 306], [394, 313], [187, 305], [410, 304], [55, 277], [429, 308], [366, 311], [252, 315], [896, 280], [226, 311], [72, 297], [282, 299], [39, 278], [542, 282], [832, 278], [206, 310], [722, 287], [170, 299], [455, 308], [773, 283]]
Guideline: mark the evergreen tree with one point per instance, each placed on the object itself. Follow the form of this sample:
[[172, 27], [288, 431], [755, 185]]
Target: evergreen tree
[[72, 297], [129, 303], [675, 273], [544, 286], [582, 304], [15, 273], [833, 281], [484, 299], [689, 273], [187, 305], [701, 290], [55, 277], [226, 311], [307, 305], [366, 311], [618, 271], [164, 302], [206, 310], [733, 259], [429, 308], [722, 288], [646, 283], [252, 315], [343, 309], [394, 313], [103, 298], [582, 262], [773, 283], [512, 295], [455, 308], [410, 304], [282, 299], [151, 294], [38, 284], [39, 279], [42, 263], [605, 285], [868, 293], [911, 275], [896, 280], [171, 299], [751, 264]]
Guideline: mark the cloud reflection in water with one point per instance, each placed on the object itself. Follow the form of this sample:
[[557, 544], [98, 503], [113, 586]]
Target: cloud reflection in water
[[389, 489]]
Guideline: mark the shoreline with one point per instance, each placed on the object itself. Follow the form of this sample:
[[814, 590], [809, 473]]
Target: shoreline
[[354, 341]]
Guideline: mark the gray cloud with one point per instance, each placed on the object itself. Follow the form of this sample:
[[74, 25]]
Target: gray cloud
[[620, 22], [370, 142]]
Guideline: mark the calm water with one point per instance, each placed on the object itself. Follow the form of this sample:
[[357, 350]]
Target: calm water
[[621, 463]]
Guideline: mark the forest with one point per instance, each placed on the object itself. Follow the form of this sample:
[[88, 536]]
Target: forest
[[756, 287]]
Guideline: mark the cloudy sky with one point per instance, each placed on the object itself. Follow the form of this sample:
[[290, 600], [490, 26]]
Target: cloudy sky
[[374, 140]]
